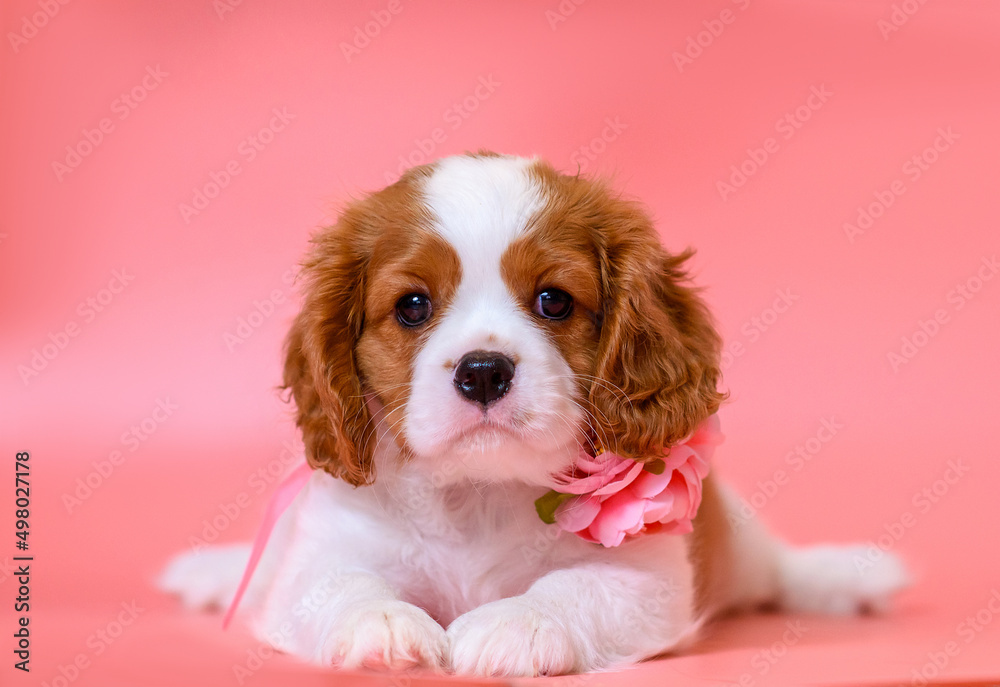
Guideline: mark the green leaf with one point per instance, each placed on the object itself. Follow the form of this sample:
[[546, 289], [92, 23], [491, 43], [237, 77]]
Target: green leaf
[[546, 505]]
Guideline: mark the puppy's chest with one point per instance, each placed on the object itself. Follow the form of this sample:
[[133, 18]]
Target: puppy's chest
[[481, 526], [467, 547]]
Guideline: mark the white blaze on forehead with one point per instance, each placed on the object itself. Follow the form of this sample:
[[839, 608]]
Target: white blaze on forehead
[[481, 204]]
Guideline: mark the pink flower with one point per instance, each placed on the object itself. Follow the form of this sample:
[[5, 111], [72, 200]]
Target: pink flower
[[607, 498]]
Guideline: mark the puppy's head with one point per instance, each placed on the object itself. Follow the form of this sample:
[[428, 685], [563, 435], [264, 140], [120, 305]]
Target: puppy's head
[[483, 316]]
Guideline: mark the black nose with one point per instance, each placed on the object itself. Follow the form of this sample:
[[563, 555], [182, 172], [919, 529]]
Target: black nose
[[483, 376]]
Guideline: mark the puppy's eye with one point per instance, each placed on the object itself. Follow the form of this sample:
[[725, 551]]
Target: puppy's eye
[[554, 304], [413, 309]]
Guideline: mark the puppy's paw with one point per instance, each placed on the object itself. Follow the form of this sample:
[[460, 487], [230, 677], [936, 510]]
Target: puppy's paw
[[840, 580], [385, 635], [206, 579], [510, 637]]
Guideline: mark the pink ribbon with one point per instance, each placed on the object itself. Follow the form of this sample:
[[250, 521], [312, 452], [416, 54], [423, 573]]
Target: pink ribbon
[[280, 501]]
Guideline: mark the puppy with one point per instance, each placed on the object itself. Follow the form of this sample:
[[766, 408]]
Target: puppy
[[464, 333]]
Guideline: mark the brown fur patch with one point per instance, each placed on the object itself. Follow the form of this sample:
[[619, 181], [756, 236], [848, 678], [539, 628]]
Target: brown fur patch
[[654, 350], [345, 342], [403, 263], [710, 551], [555, 256]]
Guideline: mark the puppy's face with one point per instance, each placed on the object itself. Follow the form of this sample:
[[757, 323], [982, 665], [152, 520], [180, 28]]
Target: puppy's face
[[484, 316]]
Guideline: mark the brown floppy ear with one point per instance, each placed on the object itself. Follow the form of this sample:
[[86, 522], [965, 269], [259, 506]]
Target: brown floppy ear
[[321, 369], [658, 345]]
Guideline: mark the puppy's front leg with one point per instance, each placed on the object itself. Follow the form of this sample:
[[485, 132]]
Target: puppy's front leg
[[590, 617], [351, 620]]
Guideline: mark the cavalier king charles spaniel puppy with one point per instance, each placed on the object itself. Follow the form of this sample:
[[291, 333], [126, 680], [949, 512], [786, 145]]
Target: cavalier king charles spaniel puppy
[[469, 337]]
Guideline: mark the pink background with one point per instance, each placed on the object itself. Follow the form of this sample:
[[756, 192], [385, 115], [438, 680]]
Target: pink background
[[556, 81]]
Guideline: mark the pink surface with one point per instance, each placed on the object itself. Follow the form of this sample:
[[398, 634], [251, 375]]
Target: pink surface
[[162, 325]]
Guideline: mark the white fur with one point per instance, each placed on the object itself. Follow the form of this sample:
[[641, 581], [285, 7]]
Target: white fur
[[206, 578], [481, 205], [826, 579], [813, 579], [443, 562], [364, 571]]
